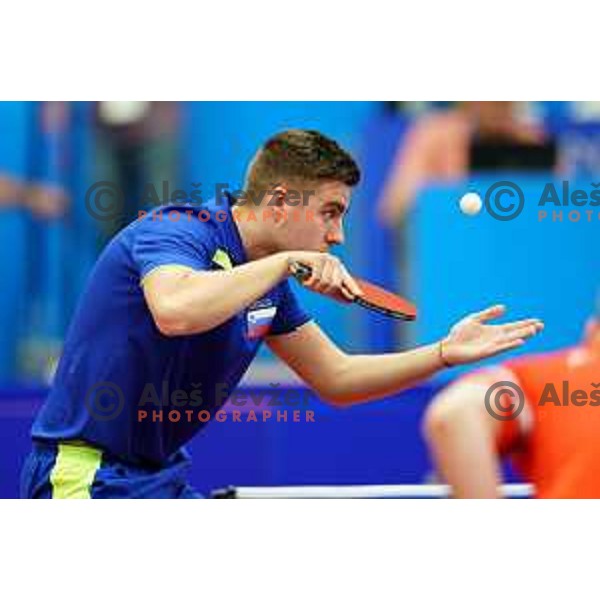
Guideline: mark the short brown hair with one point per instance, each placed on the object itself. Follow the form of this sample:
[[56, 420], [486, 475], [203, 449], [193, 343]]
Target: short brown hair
[[300, 156]]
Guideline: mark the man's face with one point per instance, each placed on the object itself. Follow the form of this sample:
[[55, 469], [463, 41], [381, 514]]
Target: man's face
[[317, 224]]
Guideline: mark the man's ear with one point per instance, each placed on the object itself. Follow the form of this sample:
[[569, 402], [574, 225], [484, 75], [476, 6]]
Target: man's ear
[[277, 196], [277, 203]]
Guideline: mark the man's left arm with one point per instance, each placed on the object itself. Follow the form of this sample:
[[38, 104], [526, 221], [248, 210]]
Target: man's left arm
[[344, 379]]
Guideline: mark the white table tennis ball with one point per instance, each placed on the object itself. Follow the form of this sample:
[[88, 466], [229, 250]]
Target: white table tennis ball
[[470, 204]]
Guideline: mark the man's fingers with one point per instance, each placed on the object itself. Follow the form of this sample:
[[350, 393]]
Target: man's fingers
[[328, 275], [508, 345], [523, 323], [321, 284], [330, 279], [317, 270], [518, 334], [492, 312], [350, 284], [347, 294], [336, 284], [523, 331]]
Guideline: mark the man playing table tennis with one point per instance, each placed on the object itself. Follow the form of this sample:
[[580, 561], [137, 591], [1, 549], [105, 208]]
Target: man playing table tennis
[[549, 430], [180, 298]]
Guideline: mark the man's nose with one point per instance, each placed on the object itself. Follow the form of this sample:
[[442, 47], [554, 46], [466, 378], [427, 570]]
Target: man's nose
[[335, 236]]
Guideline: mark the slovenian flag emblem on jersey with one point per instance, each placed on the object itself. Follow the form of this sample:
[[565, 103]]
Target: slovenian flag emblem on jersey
[[259, 321]]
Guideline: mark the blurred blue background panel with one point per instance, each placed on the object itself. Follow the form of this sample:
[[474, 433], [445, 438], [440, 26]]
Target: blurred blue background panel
[[18, 405], [537, 268], [83, 235], [220, 138], [15, 125], [373, 257], [375, 443], [580, 148]]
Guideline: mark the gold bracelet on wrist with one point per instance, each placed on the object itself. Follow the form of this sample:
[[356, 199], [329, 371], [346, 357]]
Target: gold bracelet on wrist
[[441, 355]]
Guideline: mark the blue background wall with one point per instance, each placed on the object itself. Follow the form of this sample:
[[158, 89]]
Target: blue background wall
[[15, 124]]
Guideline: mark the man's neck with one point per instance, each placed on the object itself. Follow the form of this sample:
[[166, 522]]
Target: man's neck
[[252, 234]]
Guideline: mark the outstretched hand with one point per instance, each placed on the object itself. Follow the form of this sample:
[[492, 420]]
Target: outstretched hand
[[473, 339]]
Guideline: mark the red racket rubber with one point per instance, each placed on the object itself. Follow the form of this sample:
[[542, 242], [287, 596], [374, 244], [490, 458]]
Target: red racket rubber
[[374, 297]]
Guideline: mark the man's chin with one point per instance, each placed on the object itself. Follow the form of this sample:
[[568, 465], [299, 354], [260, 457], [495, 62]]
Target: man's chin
[[305, 248]]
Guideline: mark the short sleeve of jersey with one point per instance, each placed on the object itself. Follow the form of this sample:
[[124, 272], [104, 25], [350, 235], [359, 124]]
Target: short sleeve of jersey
[[289, 314], [186, 242]]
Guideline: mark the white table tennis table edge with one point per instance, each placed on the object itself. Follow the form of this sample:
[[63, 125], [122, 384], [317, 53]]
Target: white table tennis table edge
[[367, 491]]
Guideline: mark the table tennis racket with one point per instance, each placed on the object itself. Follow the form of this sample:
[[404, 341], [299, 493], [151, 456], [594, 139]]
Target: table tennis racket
[[374, 297]]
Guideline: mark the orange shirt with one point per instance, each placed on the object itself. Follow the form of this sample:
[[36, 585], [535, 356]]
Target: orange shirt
[[561, 452]]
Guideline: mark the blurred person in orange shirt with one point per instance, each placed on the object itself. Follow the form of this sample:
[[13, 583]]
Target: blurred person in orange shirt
[[437, 148], [551, 432]]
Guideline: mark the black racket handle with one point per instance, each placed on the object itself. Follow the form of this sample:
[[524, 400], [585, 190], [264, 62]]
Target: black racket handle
[[303, 272], [300, 272]]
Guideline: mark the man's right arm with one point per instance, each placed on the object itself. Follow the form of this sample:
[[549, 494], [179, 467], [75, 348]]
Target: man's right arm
[[185, 301]]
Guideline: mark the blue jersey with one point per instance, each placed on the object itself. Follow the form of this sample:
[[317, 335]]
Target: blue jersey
[[116, 365]]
